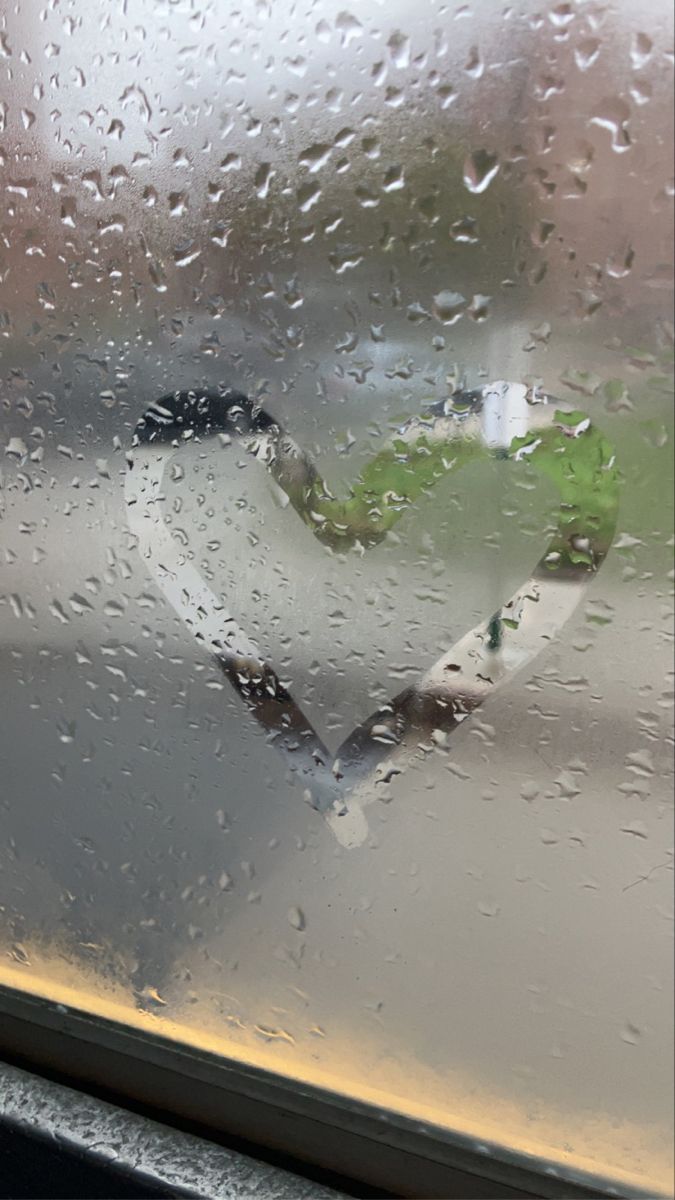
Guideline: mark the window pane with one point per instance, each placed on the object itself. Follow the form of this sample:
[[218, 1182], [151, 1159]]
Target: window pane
[[430, 245]]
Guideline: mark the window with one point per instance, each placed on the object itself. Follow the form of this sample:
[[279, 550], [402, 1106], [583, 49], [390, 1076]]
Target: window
[[337, 566]]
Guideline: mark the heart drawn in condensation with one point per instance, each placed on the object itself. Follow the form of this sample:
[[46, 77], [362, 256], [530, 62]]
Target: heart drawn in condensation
[[501, 419]]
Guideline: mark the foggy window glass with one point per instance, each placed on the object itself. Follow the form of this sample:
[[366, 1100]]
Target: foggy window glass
[[336, 544]]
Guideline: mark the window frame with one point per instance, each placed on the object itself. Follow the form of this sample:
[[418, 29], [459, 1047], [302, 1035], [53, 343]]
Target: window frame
[[221, 1096]]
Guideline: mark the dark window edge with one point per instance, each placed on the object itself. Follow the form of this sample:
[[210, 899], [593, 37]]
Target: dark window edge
[[356, 1140]]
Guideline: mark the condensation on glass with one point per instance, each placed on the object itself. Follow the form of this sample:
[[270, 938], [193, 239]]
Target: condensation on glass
[[348, 215]]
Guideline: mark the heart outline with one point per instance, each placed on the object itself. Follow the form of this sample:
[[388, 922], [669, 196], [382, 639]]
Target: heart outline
[[479, 422]]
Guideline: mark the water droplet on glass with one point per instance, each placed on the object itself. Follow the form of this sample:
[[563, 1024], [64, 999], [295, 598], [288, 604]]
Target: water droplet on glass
[[465, 230], [480, 168], [308, 195], [586, 53], [296, 919], [641, 50], [348, 27], [449, 307], [399, 49], [474, 66]]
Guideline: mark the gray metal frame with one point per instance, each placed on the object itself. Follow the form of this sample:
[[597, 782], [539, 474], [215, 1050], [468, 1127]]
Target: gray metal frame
[[123, 1143]]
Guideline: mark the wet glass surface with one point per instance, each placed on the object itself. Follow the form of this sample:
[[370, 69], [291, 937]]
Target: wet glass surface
[[349, 216]]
